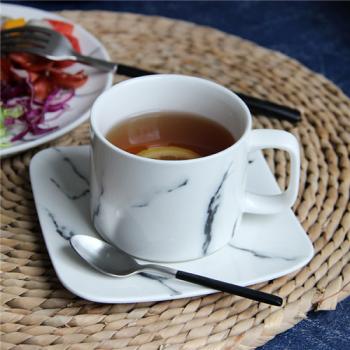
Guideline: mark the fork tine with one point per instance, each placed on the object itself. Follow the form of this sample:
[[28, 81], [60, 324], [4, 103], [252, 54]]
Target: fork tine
[[23, 41], [27, 29], [20, 46], [35, 51], [24, 37], [27, 49], [7, 34], [14, 32]]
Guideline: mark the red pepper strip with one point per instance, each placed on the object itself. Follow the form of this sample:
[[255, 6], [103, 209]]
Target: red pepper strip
[[66, 80], [61, 27], [29, 62], [7, 75]]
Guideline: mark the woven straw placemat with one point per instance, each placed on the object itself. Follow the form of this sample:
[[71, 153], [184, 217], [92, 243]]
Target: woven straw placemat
[[39, 313]]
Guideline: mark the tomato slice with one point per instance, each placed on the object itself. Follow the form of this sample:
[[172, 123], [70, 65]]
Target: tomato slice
[[43, 86], [61, 27], [74, 41], [6, 73], [76, 46], [67, 30], [45, 75], [67, 80], [63, 64], [29, 62], [33, 76]]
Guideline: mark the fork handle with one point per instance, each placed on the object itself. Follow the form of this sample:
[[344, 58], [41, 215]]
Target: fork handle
[[129, 71], [132, 72], [256, 105], [95, 62]]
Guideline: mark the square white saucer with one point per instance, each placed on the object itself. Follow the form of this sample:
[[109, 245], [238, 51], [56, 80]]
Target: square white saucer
[[265, 246]]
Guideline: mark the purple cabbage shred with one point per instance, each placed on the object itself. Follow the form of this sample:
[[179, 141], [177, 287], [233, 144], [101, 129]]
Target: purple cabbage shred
[[33, 117]]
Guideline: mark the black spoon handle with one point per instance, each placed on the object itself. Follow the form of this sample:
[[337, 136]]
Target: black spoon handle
[[230, 288], [256, 105]]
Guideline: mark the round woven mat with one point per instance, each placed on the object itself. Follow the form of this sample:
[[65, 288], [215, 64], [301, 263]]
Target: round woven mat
[[39, 313]]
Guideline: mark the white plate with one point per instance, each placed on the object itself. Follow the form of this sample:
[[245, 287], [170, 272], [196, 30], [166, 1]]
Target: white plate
[[85, 96], [265, 247]]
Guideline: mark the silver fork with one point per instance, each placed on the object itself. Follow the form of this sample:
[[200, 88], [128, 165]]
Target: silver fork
[[48, 43]]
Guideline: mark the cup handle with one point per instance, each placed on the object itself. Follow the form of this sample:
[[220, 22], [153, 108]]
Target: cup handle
[[270, 204]]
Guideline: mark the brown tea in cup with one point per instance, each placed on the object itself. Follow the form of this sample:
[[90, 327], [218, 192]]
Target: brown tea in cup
[[170, 135]]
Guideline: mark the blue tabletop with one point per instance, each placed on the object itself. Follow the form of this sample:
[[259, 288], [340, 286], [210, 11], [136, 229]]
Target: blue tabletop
[[315, 33]]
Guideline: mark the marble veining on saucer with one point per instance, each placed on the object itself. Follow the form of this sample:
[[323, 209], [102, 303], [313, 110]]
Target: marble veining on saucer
[[263, 248]]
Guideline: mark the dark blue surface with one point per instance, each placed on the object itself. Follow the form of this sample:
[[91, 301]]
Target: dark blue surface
[[323, 330], [315, 33]]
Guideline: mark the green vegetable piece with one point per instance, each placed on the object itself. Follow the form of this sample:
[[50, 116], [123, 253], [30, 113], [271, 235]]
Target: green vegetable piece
[[2, 116], [13, 112], [5, 144], [2, 131]]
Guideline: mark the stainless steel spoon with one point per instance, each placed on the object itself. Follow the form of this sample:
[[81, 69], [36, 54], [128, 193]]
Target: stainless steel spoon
[[114, 262]]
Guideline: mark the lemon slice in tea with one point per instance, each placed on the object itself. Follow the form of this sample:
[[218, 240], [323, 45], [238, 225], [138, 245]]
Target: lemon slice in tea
[[168, 153]]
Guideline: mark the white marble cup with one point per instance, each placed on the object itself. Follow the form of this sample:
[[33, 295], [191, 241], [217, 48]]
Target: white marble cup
[[169, 211]]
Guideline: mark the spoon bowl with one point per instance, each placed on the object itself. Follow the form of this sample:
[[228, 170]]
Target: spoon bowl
[[104, 257]]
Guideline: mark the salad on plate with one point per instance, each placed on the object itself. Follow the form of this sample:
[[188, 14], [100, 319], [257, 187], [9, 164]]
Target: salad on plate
[[34, 90]]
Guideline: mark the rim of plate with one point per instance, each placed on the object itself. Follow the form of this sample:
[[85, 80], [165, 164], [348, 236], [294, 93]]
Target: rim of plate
[[10, 8]]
